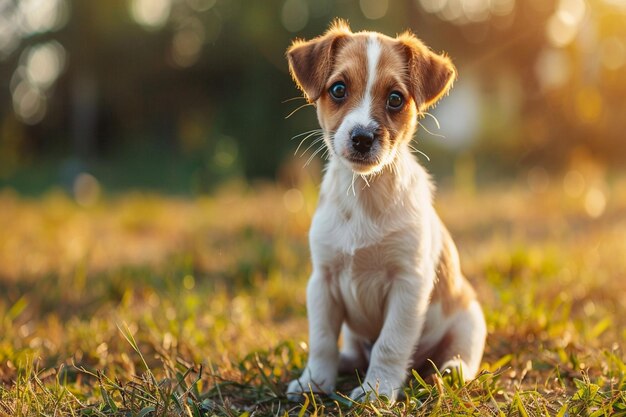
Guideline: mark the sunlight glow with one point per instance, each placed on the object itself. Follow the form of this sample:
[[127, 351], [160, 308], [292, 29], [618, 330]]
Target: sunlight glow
[[39, 16], [563, 25], [151, 14], [595, 202], [572, 11], [433, 6], [462, 12], [476, 10], [617, 3], [560, 32]]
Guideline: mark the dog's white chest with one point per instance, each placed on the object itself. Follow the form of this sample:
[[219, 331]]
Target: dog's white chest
[[355, 258], [340, 230], [361, 282]]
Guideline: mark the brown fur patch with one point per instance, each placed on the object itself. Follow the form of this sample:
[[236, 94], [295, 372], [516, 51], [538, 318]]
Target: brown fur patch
[[431, 75], [451, 289], [351, 69], [310, 62]]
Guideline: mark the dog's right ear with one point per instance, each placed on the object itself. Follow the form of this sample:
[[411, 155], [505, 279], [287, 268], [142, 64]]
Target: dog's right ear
[[310, 62]]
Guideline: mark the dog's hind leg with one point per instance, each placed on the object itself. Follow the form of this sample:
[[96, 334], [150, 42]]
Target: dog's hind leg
[[463, 344]]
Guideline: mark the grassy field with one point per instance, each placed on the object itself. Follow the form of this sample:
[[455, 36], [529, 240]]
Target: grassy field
[[155, 306]]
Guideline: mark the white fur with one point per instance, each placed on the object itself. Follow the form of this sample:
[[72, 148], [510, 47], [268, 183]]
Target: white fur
[[383, 220], [361, 115]]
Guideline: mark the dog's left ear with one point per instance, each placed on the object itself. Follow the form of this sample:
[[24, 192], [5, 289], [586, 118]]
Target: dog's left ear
[[430, 75], [310, 62]]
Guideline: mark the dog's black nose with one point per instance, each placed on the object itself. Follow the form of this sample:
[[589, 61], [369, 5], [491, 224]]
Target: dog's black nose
[[362, 139]]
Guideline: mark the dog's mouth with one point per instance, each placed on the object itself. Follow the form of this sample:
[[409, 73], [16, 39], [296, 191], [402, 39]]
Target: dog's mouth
[[362, 159], [363, 163]]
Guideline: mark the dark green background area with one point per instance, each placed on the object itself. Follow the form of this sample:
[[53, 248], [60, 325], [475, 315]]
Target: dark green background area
[[151, 123]]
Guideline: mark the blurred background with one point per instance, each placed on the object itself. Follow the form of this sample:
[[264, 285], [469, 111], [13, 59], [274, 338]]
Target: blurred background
[[179, 96], [148, 177]]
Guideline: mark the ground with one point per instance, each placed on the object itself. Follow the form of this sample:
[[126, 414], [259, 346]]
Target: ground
[[141, 304]]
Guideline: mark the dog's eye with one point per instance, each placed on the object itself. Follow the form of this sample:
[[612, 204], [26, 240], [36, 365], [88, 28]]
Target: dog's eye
[[338, 90], [395, 100]]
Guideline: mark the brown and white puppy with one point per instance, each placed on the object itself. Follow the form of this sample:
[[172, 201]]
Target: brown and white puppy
[[385, 270]]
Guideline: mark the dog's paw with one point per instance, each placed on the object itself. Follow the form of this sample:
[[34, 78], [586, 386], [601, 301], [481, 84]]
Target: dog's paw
[[305, 384], [369, 392], [295, 390]]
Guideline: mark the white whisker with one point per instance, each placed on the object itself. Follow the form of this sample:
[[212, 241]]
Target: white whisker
[[315, 142], [433, 117], [313, 155], [367, 183], [352, 185], [306, 133], [426, 129], [422, 153], [301, 107], [292, 99], [303, 140]]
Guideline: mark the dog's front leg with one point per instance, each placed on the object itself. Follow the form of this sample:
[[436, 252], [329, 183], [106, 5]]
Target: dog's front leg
[[325, 318], [392, 351]]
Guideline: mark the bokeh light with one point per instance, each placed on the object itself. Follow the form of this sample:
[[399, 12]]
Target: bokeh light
[[295, 15], [40, 66], [187, 42], [293, 200], [9, 36], [552, 68], [201, 5], [462, 12], [151, 14], [38, 16], [595, 202], [374, 9], [86, 189], [44, 63], [29, 103], [564, 24]]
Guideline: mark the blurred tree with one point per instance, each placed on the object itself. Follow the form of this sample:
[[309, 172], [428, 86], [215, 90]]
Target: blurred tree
[[203, 82]]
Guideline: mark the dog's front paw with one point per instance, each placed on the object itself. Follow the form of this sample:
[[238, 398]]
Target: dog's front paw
[[369, 392], [306, 384]]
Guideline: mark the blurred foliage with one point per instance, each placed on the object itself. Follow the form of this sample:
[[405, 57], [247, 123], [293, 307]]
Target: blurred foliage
[[190, 92]]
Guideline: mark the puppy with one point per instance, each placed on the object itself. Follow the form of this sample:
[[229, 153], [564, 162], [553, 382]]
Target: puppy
[[386, 273]]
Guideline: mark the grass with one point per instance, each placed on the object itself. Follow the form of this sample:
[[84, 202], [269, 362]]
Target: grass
[[147, 305]]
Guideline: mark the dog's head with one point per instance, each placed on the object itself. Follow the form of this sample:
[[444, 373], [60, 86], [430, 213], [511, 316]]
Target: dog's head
[[368, 89]]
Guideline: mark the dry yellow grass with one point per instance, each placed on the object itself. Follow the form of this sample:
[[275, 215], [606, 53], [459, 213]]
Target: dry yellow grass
[[219, 281]]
